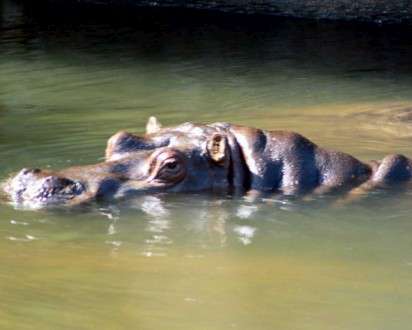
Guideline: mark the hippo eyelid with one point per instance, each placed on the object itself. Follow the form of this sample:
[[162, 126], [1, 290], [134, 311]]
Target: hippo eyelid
[[165, 155], [170, 160], [166, 159]]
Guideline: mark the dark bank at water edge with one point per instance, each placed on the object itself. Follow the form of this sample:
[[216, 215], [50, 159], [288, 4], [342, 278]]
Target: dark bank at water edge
[[376, 11]]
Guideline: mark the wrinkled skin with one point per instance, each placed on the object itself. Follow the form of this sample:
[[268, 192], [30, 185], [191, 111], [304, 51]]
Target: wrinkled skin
[[216, 157]]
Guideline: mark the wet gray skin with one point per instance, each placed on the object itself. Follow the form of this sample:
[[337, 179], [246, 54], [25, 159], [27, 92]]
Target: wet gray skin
[[216, 157]]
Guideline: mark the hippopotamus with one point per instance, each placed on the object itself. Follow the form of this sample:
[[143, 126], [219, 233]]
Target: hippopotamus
[[218, 157]]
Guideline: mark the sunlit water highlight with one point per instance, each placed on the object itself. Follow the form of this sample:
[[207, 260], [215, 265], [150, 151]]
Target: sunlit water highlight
[[200, 261]]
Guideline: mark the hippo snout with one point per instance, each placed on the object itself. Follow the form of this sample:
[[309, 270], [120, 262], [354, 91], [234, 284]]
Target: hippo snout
[[34, 188]]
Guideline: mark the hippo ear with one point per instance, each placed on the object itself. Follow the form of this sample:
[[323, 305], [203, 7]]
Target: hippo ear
[[153, 125], [217, 148]]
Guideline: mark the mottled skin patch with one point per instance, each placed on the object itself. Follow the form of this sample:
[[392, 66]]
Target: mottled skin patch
[[215, 157]]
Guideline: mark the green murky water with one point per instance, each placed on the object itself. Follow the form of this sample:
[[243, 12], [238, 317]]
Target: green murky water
[[202, 262]]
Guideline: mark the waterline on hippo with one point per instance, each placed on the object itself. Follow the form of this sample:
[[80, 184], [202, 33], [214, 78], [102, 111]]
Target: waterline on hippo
[[217, 157]]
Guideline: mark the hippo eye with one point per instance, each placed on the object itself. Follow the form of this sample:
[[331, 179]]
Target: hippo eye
[[170, 169], [172, 165]]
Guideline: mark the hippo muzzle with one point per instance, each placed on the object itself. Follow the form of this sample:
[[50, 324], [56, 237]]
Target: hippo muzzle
[[39, 188]]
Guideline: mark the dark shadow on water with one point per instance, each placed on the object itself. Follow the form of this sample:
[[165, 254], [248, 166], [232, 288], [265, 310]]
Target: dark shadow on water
[[347, 49]]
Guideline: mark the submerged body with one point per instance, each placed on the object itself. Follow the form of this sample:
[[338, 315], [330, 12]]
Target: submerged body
[[215, 157]]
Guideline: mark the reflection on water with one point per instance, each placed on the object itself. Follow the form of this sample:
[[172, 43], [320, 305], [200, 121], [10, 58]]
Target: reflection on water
[[205, 265], [193, 261]]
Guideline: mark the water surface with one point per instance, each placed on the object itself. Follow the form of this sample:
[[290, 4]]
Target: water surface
[[193, 261]]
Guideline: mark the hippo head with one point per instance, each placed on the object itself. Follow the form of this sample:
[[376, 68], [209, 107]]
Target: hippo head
[[185, 158]]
